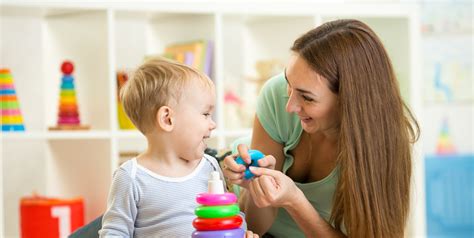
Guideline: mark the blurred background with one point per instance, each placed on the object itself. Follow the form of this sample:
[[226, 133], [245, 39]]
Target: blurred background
[[48, 160]]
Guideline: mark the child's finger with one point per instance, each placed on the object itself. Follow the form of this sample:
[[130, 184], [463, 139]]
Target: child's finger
[[244, 153], [236, 181], [230, 164], [231, 175]]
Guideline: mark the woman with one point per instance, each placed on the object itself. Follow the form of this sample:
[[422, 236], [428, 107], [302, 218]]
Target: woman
[[338, 138]]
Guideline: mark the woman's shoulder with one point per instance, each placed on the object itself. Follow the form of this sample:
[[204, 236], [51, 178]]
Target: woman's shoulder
[[273, 95], [281, 126], [276, 83]]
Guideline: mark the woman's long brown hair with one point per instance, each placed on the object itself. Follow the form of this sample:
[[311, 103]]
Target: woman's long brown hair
[[377, 129]]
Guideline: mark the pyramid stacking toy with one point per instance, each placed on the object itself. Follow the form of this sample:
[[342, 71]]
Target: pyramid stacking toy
[[218, 215], [445, 146], [68, 116], [11, 115]]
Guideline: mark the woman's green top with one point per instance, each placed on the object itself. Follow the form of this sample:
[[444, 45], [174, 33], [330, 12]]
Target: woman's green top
[[285, 128]]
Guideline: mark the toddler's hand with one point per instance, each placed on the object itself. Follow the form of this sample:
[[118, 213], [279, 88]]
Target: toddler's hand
[[250, 234], [236, 172]]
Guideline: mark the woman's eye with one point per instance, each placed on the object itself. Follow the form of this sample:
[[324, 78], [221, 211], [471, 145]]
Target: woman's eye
[[308, 99], [207, 114]]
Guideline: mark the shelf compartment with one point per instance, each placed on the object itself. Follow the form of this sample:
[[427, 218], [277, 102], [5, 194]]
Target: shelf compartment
[[23, 172], [248, 40], [80, 168], [80, 37], [149, 33]]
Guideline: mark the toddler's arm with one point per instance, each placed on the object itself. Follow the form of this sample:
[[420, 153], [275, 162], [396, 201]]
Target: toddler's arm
[[119, 219]]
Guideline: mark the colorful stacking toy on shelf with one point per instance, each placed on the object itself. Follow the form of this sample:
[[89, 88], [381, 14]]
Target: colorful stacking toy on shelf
[[11, 115], [68, 116], [445, 146], [218, 215]]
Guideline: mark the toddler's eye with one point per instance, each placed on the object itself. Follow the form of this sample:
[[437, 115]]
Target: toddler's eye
[[207, 114]]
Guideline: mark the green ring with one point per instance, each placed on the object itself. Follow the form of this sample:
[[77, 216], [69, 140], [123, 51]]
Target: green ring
[[217, 211]]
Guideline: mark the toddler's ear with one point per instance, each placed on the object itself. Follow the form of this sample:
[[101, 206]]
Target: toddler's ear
[[164, 118]]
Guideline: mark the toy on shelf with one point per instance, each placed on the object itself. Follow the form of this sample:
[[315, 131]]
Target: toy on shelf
[[68, 116], [445, 145], [198, 54], [234, 109], [255, 155], [218, 215], [11, 115], [124, 121], [266, 69]]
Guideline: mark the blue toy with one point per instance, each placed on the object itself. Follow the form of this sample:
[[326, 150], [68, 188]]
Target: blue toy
[[255, 155]]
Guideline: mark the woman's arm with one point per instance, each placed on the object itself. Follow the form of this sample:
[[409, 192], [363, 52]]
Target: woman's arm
[[274, 189], [308, 219], [258, 219]]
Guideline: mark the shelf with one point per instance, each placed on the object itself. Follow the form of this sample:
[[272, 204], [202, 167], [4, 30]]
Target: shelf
[[22, 135], [78, 135], [56, 135], [129, 134]]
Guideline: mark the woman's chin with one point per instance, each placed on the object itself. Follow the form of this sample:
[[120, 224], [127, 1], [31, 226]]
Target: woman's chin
[[310, 129]]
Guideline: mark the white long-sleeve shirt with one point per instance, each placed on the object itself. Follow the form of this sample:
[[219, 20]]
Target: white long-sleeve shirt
[[142, 203]]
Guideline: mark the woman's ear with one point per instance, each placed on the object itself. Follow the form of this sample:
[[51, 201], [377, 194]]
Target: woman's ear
[[164, 118]]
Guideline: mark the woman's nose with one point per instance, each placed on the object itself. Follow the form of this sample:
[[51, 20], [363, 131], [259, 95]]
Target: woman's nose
[[292, 105]]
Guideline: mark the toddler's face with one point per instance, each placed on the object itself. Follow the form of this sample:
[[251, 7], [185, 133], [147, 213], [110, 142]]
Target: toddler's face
[[194, 121]]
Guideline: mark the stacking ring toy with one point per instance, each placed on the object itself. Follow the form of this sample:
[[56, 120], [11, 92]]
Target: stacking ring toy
[[212, 199], [217, 211], [219, 234], [212, 224], [255, 155]]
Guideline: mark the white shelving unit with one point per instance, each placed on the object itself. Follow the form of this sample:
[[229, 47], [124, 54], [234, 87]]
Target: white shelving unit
[[101, 38]]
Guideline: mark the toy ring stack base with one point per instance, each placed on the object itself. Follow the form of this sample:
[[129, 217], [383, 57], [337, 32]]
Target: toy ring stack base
[[219, 234], [69, 127]]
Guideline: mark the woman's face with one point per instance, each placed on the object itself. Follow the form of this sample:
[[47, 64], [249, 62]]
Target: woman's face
[[310, 98]]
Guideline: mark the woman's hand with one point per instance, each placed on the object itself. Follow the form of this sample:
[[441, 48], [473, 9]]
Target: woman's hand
[[236, 172], [272, 188]]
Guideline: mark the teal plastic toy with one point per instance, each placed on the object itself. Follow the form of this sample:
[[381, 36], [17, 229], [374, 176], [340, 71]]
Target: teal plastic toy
[[255, 155]]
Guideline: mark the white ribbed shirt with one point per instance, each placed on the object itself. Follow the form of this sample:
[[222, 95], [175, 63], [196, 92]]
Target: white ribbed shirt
[[142, 203]]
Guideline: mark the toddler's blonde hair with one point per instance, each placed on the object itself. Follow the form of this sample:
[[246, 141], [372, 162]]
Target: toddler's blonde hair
[[157, 82]]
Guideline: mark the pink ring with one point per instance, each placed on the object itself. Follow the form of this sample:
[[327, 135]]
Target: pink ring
[[210, 199], [10, 112], [68, 120]]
